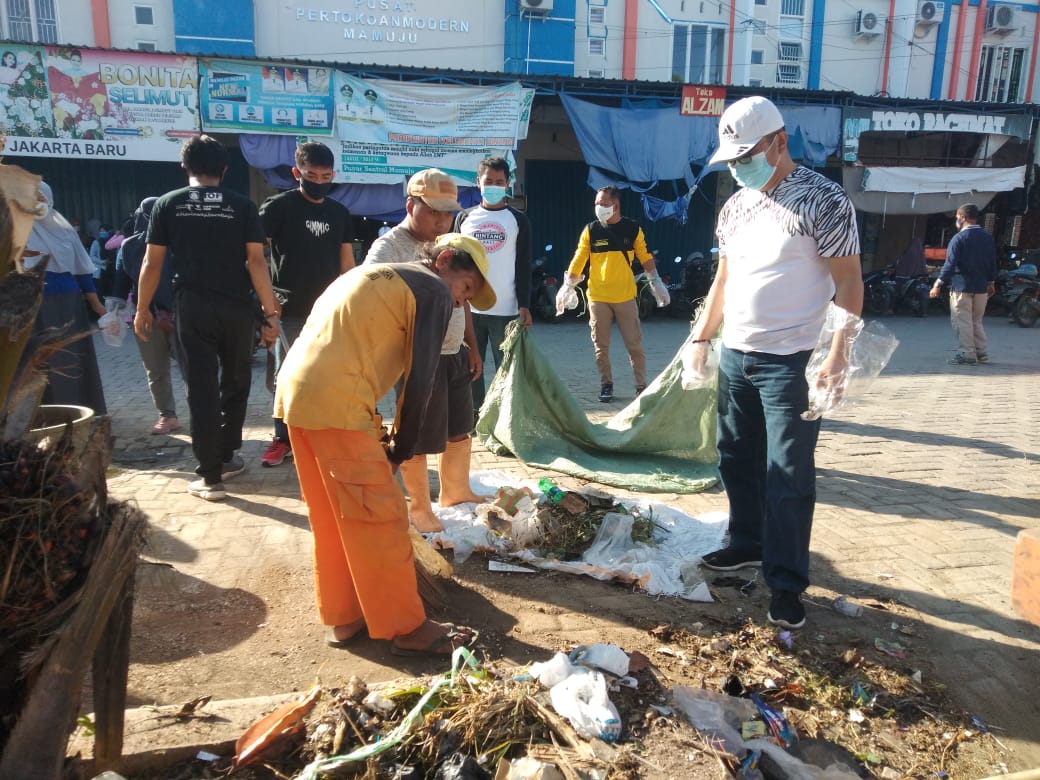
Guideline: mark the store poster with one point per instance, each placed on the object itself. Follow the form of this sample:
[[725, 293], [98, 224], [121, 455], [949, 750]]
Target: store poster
[[92, 104], [266, 98]]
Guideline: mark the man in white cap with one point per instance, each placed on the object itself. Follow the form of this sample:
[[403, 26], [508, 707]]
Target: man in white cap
[[788, 243], [429, 212]]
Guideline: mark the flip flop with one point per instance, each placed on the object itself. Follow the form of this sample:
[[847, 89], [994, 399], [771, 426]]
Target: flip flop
[[442, 645], [340, 644]]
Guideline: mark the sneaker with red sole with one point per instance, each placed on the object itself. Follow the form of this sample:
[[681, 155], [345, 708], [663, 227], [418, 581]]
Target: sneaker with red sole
[[276, 453]]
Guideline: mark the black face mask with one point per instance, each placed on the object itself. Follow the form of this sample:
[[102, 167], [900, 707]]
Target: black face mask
[[314, 190]]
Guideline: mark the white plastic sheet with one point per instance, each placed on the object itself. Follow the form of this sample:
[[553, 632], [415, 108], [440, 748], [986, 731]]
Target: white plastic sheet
[[681, 541]]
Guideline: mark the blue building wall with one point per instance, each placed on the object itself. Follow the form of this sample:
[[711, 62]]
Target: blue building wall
[[214, 27], [540, 43]]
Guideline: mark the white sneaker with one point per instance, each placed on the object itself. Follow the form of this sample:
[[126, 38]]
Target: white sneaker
[[208, 492]]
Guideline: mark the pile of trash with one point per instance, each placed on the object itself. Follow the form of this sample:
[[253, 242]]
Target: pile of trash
[[649, 545], [750, 702]]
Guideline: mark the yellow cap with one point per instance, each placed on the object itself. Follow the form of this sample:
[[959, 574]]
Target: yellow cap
[[486, 298]]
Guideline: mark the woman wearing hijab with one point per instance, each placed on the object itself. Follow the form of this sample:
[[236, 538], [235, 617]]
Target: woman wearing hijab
[[72, 371]]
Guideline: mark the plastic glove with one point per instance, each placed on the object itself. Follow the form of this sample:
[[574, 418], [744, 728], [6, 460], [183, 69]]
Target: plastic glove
[[567, 297], [700, 363], [114, 304], [657, 287]]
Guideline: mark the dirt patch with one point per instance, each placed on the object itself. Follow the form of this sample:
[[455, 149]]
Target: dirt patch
[[831, 681]]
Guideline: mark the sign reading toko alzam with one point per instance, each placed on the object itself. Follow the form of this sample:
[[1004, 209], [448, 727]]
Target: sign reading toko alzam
[[857, 121], [266, 98], [389, 129], [702, 101], [91, 104]]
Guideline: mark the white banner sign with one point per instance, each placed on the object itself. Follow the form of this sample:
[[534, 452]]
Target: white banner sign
[[388, 130]]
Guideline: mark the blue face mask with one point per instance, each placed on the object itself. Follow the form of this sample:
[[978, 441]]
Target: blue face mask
[[755, 173], [493, 195]]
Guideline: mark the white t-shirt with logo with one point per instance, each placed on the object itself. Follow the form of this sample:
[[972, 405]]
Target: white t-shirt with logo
[[777, 245], [497, 230]]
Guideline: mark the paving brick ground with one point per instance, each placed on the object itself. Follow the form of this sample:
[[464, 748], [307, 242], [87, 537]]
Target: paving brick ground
[[922, 489]]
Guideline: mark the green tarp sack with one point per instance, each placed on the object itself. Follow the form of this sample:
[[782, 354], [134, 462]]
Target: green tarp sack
[[662, 442]]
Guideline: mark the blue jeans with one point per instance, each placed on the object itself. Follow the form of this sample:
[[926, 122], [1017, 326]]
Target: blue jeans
[[490, 330], [767, 461]]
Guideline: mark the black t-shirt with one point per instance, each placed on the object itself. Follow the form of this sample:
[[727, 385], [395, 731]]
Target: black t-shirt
[[306, 240], [207, 229]]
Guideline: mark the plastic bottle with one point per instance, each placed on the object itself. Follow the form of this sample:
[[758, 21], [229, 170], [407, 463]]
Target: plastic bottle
[[551, 491], [846, 607]]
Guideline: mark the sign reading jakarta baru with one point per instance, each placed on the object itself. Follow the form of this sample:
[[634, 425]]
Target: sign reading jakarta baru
[[857, 121], [266, 98], [390, 129], [91, 104]]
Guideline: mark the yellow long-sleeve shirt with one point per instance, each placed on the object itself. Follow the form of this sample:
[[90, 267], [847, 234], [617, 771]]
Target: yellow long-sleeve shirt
[[608, 250], [372, 325]]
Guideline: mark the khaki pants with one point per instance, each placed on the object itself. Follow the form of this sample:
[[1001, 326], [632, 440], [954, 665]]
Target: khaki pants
[[363, 564], [966, 310], [626, 314]]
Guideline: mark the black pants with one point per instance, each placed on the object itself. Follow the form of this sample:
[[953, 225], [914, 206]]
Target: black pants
[[216, 340]]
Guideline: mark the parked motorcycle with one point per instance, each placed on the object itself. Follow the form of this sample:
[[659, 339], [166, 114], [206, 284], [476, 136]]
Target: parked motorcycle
[[912, 294], [879, 292], [691, 282], [543, 288], [1027, 307], [883, 291], [1018, 291]]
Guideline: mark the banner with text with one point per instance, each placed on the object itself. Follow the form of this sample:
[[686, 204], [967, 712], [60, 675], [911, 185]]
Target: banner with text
[[92, 104], [265, 98], [388, 130], [856, 121]]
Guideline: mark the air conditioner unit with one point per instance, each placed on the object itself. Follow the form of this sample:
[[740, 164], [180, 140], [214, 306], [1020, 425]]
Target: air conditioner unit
[[930, 12], [867, 23], [1002, 18], [595, 73], [536, 6]]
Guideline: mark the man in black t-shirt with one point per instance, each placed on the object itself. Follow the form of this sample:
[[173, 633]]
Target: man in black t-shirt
[[217, 244], [310, 237]]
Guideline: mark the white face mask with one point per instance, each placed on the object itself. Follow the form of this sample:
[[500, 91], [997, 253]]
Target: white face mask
[[603, 213]]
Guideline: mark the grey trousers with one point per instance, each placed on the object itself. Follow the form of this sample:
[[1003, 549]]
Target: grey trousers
[[156, 354]]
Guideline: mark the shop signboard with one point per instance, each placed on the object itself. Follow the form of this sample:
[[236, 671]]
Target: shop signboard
[[91, 104], [856, 121]]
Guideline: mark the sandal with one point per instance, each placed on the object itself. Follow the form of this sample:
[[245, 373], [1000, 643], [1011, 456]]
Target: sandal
[[444, 644]]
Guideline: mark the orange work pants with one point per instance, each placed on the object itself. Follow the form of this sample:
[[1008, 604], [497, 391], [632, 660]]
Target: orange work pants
[[363, 564]]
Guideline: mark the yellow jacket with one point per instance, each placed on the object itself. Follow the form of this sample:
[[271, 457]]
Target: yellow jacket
[[609, 249], [371, 326]]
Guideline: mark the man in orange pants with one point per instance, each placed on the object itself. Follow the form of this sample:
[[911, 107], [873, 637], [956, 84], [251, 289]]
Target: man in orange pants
[[371, 327]]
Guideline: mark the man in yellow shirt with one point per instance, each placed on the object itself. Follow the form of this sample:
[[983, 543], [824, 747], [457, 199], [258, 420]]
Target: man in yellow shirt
[[607, 245], [371, 327]]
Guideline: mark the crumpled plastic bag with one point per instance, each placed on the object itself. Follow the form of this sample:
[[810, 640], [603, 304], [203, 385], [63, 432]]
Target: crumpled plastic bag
[[868, 348], [700, 364], [582, 699], [113, 330]]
